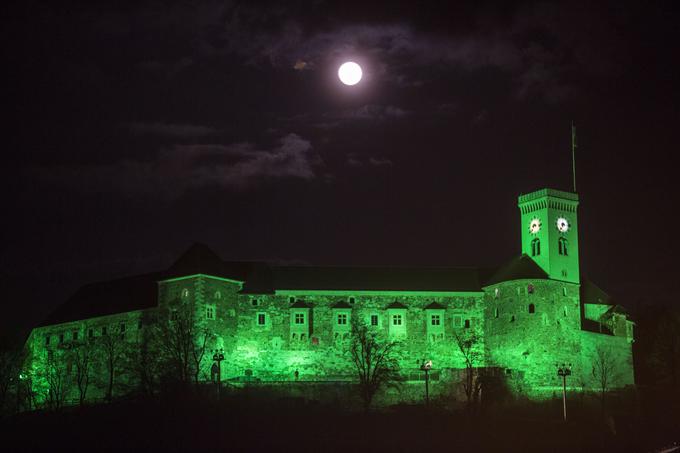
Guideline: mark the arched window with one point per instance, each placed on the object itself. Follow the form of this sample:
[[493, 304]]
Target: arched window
[[495, 313], [535, 247], [218, 295], [532, 308], [562, 246]]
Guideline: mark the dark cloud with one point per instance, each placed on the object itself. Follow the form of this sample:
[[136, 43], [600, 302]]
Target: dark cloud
[[171, 130], [185, 167]]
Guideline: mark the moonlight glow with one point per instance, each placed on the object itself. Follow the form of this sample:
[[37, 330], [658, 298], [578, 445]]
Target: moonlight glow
[[350, 73]]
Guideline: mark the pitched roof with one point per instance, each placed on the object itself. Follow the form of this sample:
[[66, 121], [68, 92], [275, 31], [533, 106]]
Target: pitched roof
[[107, 298], [345, 278], [592, 294], [435, 306], [397, 304], [140, 292], [200, 259], [521, 267]]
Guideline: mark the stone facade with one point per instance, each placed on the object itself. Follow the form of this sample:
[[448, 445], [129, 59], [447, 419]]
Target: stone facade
[[527, 321]]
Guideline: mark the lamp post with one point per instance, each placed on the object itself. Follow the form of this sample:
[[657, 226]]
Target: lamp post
[[426, 367], [218, 356], [564, 371]]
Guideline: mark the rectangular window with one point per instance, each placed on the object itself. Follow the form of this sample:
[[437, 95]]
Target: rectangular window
[[61, 338], [299, 318], [374, 320], [342, 319], [104, 330], [209, 312], [436, 320], [457, 321], [467, 323], [47, 340], [74, 335], [90, 333], [396, 320], [261, 319]]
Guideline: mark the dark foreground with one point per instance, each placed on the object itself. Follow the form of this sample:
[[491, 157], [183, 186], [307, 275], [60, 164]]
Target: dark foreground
[[243, 424]]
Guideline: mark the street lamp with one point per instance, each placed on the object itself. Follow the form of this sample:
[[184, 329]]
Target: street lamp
[[564, 371], [218, 356], [426, 367]]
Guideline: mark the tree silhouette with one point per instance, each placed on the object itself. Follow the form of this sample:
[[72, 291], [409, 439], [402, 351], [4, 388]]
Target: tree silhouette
[[374, 361]]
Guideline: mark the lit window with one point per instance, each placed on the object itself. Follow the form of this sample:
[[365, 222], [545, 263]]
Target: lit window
[[261, 319], [436, 320], [562, 246], [532, 308], [299, 318], [396, 320], [185, 293], [564, 290], [374, 320], [535, 247], [210, 312], [342, 319], [496, 292]]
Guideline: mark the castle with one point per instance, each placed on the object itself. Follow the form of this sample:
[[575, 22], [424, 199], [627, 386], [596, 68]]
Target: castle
[[291, 325]]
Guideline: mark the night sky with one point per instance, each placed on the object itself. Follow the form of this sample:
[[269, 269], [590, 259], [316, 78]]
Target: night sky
[[132, 132]]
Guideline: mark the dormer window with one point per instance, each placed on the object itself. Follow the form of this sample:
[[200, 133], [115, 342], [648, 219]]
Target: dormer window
[[299, 318], [397, 320], [342, 319], [436, 320]]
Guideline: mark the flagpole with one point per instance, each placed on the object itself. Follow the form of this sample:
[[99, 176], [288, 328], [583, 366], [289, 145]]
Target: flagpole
[[573, 152]]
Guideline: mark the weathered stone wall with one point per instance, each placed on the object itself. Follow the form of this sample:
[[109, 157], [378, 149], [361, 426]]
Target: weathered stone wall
[[533, 325]]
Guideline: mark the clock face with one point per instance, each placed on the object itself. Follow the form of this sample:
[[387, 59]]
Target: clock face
[[534, 226], [562, 225]]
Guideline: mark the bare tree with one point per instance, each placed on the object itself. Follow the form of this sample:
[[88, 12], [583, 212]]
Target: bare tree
[[604, 371], [113, 348], [374, 360], [82, 356], [183, 343], [468, 346], [58, 382]]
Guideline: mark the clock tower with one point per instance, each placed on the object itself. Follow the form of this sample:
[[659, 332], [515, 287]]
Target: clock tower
[[550, 232]]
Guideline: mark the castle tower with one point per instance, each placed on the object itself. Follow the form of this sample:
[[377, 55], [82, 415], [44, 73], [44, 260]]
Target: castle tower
[[550, 232]]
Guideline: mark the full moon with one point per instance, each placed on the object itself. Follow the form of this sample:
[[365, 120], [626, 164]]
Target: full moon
[[350, 73]]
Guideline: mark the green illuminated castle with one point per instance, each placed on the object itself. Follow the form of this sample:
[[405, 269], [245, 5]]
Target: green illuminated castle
[[289, 326]]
